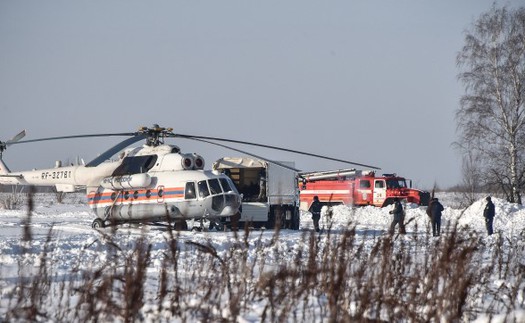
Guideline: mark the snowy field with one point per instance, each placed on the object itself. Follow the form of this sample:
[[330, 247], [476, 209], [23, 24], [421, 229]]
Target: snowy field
[[52, 260]]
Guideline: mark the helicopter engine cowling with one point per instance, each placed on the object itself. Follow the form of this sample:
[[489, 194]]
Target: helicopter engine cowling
[[174, 162], [187, 161], [135, 181], [198, 161]]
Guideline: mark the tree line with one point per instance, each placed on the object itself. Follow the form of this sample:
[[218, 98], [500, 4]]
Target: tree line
[[491, 115]]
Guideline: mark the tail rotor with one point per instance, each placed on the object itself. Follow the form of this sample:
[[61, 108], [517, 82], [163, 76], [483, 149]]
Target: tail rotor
[[3, 145]]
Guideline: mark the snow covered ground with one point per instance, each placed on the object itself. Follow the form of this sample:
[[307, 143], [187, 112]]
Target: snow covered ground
[[63, 233]]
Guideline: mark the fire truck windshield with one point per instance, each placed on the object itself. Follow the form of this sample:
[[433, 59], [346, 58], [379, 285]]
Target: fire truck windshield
[[396, 183]]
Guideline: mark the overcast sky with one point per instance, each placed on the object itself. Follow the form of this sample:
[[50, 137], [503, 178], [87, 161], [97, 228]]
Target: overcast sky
[[366, 81]]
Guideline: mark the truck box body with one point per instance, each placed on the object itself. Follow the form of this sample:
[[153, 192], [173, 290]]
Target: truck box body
[[270, 192]]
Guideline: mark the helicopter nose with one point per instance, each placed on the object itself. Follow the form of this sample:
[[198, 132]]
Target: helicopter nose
[[229, 210], [232, 203], [225, 204]]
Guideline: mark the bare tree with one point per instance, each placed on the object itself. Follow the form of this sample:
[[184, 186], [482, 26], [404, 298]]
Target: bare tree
[[491, 117], [14, 200]]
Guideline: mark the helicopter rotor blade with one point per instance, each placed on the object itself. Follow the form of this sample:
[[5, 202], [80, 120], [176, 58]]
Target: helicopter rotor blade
[[76, 136], [16, 138], [273, 147], [247, 153], [134, 137], [115, 149]]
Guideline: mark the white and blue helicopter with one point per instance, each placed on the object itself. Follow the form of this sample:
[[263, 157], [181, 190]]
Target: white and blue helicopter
[[154, 182]]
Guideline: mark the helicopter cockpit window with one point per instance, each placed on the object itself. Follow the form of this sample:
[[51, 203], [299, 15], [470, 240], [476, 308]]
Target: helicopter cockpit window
[[203, 189], [225, 185], [135, 165], [189, 191], [215, 187]]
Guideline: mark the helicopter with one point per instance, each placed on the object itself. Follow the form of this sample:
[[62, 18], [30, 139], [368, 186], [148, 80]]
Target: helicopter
[[155, 182]]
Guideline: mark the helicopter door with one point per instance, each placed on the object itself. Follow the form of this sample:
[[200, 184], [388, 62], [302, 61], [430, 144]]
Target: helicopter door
[[190, 206]]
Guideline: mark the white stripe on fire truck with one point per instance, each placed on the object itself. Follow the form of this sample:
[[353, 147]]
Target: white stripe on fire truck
[[325, 192]]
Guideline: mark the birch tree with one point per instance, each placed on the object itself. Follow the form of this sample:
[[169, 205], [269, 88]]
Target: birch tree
[[491, 117]]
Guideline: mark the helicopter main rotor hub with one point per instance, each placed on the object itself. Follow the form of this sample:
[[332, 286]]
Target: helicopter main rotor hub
[[155, 135]]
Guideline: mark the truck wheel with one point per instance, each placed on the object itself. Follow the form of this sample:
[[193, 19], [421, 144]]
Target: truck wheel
[[296, 220], [387, 202], [234, 224]]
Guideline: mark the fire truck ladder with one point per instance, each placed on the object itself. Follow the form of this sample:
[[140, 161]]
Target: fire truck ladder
[[313, 176]]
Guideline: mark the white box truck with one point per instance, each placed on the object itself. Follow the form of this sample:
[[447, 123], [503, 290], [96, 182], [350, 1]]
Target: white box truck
[[270, 192]]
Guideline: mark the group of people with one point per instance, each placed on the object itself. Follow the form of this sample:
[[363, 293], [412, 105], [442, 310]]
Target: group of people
[[434, 211]]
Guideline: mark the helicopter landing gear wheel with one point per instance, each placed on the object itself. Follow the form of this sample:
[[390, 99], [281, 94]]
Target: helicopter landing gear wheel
[[219, 226], [98, 224], [216, 225]]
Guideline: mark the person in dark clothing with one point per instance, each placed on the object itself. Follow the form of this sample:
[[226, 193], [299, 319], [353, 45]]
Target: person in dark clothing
[[489, 213], [435, 216], [315, 209], [399, 217]]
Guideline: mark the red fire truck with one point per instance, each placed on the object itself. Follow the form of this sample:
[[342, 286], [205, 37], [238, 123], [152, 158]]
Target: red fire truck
[[356, 187]]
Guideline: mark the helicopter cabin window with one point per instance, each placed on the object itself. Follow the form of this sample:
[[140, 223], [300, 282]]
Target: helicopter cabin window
[[148, 193], [136, 195], [215, 187], [364, 184], [135, 165], [203, 189], [189, 191]]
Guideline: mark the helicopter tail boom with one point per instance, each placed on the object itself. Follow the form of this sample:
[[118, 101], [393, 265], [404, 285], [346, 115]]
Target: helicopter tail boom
[[3, 168], [6, 177]]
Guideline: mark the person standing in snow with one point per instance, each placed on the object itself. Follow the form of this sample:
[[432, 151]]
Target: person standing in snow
[[315, 209], [489, 213], [435, 216], [399, 216]]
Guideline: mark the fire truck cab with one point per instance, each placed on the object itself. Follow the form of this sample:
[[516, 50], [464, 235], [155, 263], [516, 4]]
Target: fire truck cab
[[357, 188]]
